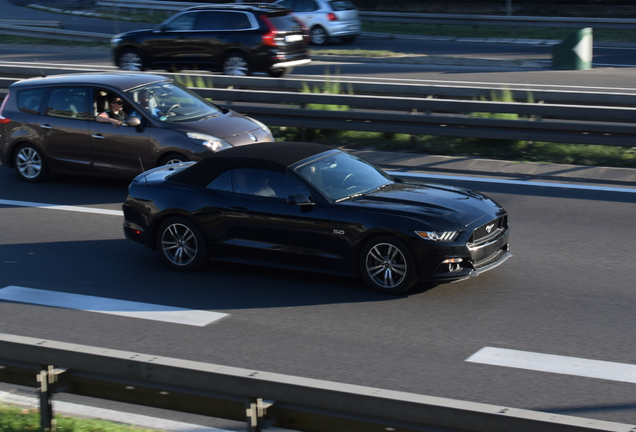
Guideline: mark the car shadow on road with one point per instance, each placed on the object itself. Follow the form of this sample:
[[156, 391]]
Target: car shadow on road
[[116, 269]]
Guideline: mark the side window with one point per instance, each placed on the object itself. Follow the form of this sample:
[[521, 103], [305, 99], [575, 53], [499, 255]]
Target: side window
[[182, 22], [69, 102], [222, 182], [266, 183], [287, 3], [236, 21], [30, 100], [306, 6]]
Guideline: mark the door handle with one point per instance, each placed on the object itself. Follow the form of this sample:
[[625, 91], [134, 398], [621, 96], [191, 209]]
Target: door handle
[[237, 209], [98, 136]]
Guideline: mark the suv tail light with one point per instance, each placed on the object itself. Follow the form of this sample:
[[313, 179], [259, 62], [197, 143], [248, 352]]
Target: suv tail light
[[332, 16], [4, 120], [269, 38]]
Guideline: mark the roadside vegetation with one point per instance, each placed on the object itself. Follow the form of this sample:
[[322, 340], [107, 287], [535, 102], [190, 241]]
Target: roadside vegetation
[[17, 419]]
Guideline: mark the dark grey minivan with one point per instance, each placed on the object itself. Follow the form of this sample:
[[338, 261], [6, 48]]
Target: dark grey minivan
[[47, 125]]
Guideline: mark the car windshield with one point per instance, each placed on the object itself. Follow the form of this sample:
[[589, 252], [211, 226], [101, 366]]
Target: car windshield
[[172, 102], [339, 176]]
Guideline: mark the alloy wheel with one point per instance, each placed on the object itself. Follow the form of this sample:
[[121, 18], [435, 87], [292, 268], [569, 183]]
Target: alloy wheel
[[29, 163], [386, 265], [179, 244]]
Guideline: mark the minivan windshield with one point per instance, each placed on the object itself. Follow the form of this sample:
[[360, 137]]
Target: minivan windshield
[[171, 102]]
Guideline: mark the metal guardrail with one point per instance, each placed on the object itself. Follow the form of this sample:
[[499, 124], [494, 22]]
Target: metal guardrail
[[261, 399], [53, 33], [425, 115]]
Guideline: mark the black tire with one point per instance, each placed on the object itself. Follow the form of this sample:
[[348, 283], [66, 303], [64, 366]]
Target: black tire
[[281, 72], [348, 39], [318, 35], [236, 64], [181, 244], [388, 266], [131, 59], [29, 163], [172, 158]]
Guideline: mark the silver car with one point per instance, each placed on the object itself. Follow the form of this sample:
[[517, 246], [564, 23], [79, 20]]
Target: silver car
[[326, 18]]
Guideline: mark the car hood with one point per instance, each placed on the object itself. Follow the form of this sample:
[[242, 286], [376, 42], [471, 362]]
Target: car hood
[[232, 127], [460, 207]]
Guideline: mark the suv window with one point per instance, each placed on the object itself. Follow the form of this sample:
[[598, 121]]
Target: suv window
[[30, 100], [223, 20], [182, 22], [69, 102], [285, 23]]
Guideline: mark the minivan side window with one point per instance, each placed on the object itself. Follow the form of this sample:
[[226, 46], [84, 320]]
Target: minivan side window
[[69, 102], [30, 100]]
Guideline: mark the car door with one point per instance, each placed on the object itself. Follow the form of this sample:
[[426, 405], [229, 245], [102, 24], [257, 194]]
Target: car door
[[64, 127], [265, 227], [120, 151], [174, 44]]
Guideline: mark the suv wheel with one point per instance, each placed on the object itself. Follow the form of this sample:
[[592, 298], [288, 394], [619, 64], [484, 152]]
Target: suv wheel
[[236, 64], [130, 60], [29, 163], [318, 35]]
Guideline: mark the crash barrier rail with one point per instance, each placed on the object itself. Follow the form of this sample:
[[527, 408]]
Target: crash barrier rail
[[548, 122], [261, 399], [418, 18], [53, 33], [32, 23]]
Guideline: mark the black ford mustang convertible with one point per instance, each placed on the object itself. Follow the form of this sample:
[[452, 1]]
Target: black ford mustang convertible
[[309, 206]]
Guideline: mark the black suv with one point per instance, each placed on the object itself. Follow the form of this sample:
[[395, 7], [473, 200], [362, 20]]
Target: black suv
[[236, 39]]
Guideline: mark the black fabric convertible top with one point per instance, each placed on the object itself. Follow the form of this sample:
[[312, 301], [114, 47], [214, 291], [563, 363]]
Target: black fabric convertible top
[[274, 156]]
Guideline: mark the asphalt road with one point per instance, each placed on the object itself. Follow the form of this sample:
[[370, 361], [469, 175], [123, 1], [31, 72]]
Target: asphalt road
[[567, 291]]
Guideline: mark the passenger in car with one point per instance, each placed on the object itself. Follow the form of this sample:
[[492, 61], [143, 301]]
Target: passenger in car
[[115, 115]]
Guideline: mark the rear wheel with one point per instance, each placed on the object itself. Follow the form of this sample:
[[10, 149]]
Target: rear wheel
[[29, 163], [130, 60], [387, 265], [318, 35], [181, 244], [236, 64]]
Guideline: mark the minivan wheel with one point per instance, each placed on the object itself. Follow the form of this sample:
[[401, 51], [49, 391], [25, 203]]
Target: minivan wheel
[[172, 158], [236, 64], [130, 60], [387, 265], [318, 35], [29, 163]]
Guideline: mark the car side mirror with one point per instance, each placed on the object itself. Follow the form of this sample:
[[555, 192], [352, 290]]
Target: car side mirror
[[132, 121], [299, 200]]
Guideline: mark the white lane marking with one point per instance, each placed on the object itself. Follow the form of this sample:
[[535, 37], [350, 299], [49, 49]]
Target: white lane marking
[[140, 421], [62, 207], [103, 305], [555, 364], [515, 182]]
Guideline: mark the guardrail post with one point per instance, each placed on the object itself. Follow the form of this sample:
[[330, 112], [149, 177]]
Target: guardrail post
[[255, 412], [47, 378]]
